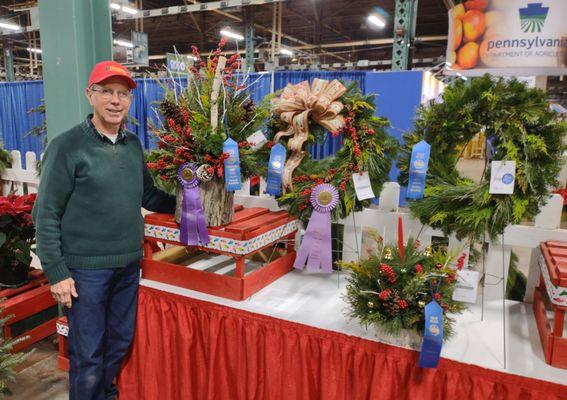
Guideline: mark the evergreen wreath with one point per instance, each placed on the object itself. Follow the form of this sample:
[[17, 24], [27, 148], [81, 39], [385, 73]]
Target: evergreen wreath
[[365, 147], [518, 126]]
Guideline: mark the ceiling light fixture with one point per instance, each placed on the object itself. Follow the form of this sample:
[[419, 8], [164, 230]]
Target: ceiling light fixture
[[33, 50], [376, 20], [228, 33], [189, 56], [12, 27], [286, 52], [115, 6], [123, 43], [129, 10]]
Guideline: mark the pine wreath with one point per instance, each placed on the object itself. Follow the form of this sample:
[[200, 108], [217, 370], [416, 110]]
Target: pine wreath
[[518, 125], [365, 147]]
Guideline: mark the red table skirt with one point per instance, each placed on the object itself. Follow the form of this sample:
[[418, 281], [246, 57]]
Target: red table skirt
[[190, 349]]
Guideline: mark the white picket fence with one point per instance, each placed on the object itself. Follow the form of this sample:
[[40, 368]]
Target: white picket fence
[[383, 219], [19, 180]]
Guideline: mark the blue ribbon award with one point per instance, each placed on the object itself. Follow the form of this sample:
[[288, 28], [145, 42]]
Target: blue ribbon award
[[433, 336], [232, 166], [275, 170], [418, 170]]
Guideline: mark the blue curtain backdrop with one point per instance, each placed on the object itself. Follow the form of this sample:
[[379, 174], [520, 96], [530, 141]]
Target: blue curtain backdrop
[[16, 99]]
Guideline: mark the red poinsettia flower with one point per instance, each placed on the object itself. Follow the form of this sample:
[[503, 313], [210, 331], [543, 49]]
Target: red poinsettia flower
[[6, 206], [22, 204]]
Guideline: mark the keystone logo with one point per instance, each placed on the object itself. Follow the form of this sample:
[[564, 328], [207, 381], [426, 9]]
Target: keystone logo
[[532, 17]]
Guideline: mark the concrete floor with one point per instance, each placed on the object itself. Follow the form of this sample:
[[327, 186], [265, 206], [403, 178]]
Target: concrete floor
[[38, 377]]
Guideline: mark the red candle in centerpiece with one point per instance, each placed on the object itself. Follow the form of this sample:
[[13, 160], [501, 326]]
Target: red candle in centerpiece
[[401, 248]]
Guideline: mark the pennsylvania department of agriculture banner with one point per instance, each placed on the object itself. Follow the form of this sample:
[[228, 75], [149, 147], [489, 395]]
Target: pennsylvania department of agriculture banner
[[508, 37]]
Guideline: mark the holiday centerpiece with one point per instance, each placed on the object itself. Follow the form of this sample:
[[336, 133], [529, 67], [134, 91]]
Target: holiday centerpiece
[[391, 288], [204, 146], [17, 234], [518, 127], [319, 191]]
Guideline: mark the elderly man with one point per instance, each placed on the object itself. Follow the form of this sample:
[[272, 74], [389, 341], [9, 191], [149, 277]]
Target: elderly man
[[89, 230]]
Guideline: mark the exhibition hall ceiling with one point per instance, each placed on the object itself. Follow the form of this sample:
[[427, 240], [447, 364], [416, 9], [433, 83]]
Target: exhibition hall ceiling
[[321, 31]]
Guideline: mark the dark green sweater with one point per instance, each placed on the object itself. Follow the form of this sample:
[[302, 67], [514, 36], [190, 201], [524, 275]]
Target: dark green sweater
[[87, 212]]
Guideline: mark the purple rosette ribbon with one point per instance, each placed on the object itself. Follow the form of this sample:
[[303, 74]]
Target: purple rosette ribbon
[[193, 228], [315, 250]]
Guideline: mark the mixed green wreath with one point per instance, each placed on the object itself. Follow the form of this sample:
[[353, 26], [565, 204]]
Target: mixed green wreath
[[366, 146], [518, 126]]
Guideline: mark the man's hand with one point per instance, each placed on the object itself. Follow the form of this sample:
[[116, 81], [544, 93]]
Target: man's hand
[[63, 292]]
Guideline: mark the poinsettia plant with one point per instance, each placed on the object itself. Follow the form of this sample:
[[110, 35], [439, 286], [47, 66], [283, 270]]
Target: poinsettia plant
[[199, 117], [17, 231], [389, 289]]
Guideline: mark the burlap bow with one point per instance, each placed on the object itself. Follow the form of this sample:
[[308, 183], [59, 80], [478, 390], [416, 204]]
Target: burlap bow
[[296, 105]]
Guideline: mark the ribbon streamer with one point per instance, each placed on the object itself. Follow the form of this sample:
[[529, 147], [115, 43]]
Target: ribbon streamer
[[433, 335], [418, 170], [297, 104], [193, 228], [275, 169], [315, 249]]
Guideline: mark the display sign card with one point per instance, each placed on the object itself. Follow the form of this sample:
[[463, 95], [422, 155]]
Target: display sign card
[[502, 177], [467, 286], [257, 139], [362, 186]]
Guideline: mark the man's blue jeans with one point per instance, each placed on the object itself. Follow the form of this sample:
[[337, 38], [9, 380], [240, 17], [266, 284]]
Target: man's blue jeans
[[101, 327]]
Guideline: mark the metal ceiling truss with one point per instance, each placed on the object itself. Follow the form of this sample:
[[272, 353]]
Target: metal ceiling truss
[[404, 33], [359, 63], [212, 6]]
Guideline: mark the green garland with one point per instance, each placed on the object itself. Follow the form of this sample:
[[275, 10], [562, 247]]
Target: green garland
[[518, 122], [366, 147], [390, 294]]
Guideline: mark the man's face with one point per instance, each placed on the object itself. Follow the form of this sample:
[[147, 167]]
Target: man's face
[[110, 100]]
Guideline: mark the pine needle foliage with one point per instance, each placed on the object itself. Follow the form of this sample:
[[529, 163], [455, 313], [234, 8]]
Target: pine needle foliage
[[8, 360], [389, 294], [519, 126]]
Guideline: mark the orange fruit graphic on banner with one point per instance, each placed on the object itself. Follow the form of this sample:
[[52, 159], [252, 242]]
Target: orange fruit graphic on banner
[[473, 25], [476, 4], [457, 34], [458, 12], [467, 56]]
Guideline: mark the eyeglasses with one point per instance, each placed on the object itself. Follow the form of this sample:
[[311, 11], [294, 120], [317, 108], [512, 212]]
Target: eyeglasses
[[107, 93]]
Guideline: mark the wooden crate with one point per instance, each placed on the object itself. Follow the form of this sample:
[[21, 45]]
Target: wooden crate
[[552, 293], [248, 254], [33, 309]]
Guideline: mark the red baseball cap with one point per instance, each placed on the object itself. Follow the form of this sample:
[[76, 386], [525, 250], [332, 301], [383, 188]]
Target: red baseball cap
[[107, 69]]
